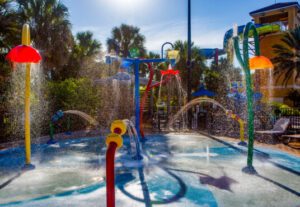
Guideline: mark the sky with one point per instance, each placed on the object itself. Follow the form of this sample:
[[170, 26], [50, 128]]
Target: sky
[[163, 20]]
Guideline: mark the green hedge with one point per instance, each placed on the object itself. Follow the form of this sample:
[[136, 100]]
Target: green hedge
[[74, 94]]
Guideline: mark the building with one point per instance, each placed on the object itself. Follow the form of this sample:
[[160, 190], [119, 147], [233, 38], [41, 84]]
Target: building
[[287, 15]]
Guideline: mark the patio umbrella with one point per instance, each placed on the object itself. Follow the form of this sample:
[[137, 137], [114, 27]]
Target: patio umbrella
[[202, 91]]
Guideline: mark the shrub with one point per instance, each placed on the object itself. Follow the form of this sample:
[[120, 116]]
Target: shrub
[[74, 94]]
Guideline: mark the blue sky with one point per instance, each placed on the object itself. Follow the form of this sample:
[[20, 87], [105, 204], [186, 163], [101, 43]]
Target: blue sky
[[163, 20]]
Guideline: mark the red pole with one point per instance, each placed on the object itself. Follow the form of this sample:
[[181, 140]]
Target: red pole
[[110, 174], [148, 88], [144, 98]]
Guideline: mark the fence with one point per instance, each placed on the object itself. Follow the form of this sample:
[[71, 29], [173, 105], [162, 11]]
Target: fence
[[293, 115]]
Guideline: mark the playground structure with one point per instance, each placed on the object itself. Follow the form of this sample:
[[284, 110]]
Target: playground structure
[[165, 105], [171, 57], [150, 86], [262, 30], [138, 109], [136, 62], [168, 73], [212, 53], [286, 15], [145, 95]]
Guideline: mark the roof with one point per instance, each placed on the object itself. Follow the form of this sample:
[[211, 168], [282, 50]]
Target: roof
[[202, 91], [275, 7]]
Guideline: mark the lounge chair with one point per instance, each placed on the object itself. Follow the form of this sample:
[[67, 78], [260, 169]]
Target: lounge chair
[[270, 136], [293, 140]]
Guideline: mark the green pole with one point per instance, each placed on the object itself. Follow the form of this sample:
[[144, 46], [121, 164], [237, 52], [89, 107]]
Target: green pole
[[68, 124], [51, 140], [51, 131], [244, 61]]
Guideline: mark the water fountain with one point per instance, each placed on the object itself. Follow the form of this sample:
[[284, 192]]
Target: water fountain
[[26, 54], [134, 140], [200, 100], [172, 89], [60, 114], [189, 105], [117, 89], [264, 83], [256, 62], [15, 106]]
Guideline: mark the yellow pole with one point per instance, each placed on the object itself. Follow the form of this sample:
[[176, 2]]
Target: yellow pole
[[241, 123], [27, 114], [26, 41], [242, 130]]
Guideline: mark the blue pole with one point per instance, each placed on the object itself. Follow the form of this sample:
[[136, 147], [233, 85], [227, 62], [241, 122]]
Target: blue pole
[[137, 97], [138, 155], [136, 63], [189, 62], [137, 107], [189, 41]]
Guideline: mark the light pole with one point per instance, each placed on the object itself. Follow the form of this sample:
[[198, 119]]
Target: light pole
[[255, 63], [189, 61]]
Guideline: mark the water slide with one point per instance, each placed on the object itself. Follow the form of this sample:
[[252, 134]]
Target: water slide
[[210, 53], [263, 29]]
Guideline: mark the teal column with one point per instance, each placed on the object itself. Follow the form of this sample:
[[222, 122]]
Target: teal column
[[244, 62], [51, 140], [51, 131], [69, 124]]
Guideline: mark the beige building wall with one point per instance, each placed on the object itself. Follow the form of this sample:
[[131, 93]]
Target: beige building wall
[[290, 18]]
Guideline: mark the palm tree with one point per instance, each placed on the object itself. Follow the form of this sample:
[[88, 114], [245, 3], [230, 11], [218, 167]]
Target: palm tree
[[124, 38], [84, 54], [197, 61], [287, 60], [9, 35], [85, 45], [50, 28], [9, 32], [294, 96]]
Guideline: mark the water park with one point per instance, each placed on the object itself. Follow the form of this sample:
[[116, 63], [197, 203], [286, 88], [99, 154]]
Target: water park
[[115, 124]]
